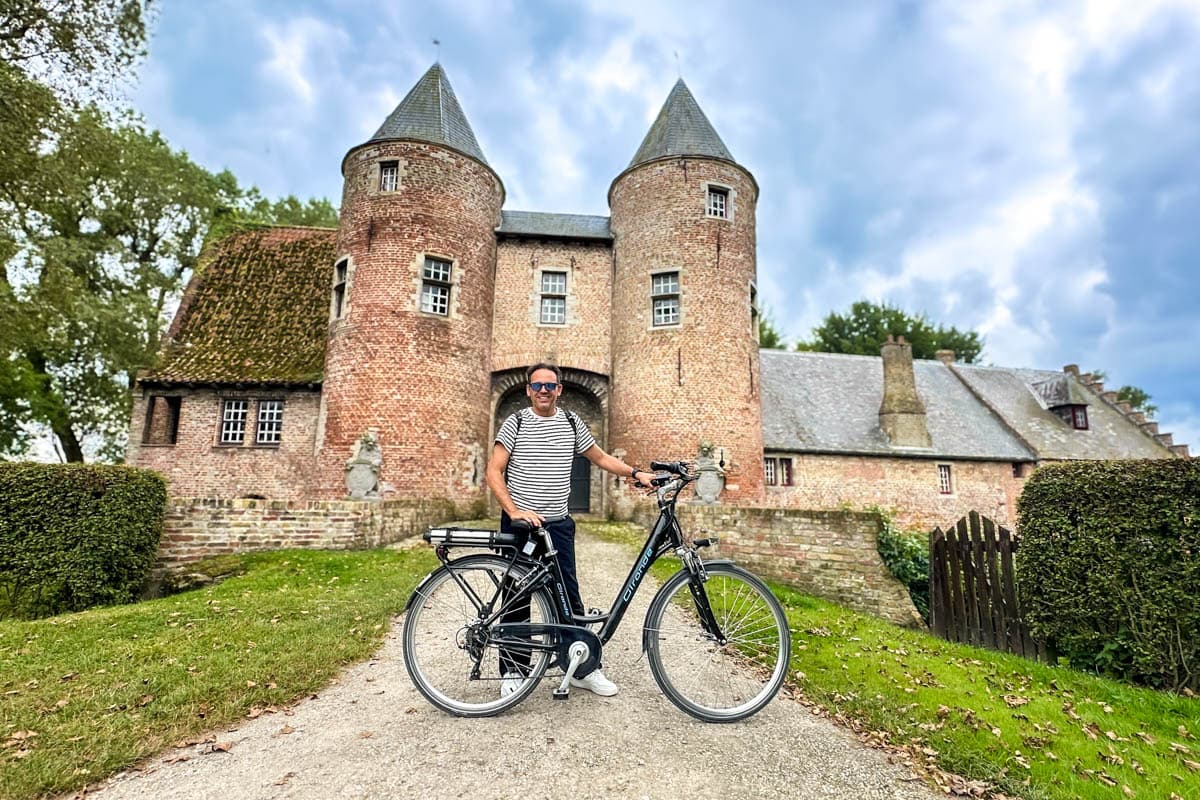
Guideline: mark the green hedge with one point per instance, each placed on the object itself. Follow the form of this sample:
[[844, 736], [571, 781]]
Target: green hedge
[[74, 536], [1108, 567], [906, 555]]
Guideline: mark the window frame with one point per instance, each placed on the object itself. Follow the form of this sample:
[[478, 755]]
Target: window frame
[[727, 193], [778, 471], [770, 477], [657, 296], [277, 423], [339, 303], [225, 420], [392, 166], [945, 475], [545, 294], [428, 281], [1079, 417]]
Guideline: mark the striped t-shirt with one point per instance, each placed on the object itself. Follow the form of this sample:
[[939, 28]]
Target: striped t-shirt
[[539, 459]]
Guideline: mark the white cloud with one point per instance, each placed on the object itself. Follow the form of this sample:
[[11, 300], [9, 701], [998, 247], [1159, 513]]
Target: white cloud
[[298, 48]]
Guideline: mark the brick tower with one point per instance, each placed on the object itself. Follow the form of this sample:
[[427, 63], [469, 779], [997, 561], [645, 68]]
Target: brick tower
[[413, 285], [684, 349]]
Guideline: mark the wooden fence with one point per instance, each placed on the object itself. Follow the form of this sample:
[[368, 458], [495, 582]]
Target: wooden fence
[[972, 588]]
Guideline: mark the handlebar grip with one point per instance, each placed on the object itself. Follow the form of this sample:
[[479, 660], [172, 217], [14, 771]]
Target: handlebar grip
[[521, 524], [672, 467], [659, 481]]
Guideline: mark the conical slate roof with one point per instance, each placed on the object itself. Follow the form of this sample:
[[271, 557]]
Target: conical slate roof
[[430, 112], [681, 129]]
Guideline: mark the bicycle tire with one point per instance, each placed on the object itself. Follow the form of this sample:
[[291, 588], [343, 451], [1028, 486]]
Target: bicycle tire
[[711, 681], [434, 629]]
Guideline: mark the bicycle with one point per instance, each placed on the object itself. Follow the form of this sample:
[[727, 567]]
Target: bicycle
[[716, 638]]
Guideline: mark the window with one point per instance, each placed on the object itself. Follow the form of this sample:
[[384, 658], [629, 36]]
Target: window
[[162, 420], [233, 421], [435, 287], [389, 175], [1079, 417], [270, 422], [339, 288], [778, 471], [554, 299], [945, 486], [718, 202], [755, 329], [1018, 469], [664, 292]]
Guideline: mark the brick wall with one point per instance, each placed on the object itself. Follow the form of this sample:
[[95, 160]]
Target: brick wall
[[198, 465], [831, 554], [519, 339], [673, 387], [909, 486], [196, 528], [420, 380]]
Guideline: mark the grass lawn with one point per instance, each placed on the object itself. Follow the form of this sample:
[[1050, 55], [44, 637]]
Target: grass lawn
[[85, 695], [1028, 729]]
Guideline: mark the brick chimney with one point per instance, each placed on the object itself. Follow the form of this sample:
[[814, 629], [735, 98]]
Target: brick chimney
[[901, 414], [945, 356]]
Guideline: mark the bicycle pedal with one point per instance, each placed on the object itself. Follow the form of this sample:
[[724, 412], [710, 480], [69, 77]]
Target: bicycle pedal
[[560, 694]]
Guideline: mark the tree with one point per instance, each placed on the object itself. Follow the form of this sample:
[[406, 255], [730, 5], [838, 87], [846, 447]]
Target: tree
[[1138, 399], [866, 326], [769, 337], [102, 233]]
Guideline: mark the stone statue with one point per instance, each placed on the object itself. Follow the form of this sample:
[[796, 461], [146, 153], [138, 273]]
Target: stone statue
[[362, 470], [711, 476]]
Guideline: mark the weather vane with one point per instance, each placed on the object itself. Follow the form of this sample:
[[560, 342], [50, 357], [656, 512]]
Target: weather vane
[[438, 55]]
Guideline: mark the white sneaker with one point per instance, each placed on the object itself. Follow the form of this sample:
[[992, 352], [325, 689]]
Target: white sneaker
[[596, 682], [510, 685]]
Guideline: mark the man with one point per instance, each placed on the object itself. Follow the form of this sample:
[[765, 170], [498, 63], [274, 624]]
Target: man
[[536, 446]]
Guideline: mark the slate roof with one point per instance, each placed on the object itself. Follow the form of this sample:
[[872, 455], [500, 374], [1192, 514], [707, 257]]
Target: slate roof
[[681, 129], [553, 226], [430, 112], [829, 403], [1109, 435], [255, 311]]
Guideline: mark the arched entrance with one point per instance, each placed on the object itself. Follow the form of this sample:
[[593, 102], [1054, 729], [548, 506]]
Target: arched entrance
[[585, 393]]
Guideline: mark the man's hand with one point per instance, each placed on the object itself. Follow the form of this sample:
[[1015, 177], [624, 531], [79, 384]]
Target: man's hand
[[644, 481], [532, 517]]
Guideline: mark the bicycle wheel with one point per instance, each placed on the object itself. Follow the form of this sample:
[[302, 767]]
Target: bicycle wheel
[[443, 642], [712, 681]]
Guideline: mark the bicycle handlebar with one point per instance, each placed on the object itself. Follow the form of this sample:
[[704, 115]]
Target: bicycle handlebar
[[673, 467]]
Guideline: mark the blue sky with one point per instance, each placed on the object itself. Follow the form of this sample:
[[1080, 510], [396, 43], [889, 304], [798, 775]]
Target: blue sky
[[1028, 170]]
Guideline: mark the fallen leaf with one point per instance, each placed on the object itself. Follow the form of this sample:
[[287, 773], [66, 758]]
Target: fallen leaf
[[146, 700], [1180, 748], [1108, 709], [286, 777], [1015, 700], [1192, 765], [1128, 792], [365, 734], [251, 684], [1145, 737], [285, 730], [177, 759], [1050, 756], [221, 747]]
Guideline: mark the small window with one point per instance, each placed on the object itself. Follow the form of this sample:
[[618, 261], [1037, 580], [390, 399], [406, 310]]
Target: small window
[[718, 202], [1079, 418], [1018, 469], [945, 484], [777, 471], [389, 175], [339, 288], [162, 420], [554, 299], [233, 421], [664, 292], [435, 287], [270, 422]]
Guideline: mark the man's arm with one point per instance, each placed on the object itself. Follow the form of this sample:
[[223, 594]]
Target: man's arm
[[616, 466], [495, 482]]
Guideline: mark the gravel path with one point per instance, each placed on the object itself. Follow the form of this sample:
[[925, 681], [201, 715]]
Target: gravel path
[[372, 735]]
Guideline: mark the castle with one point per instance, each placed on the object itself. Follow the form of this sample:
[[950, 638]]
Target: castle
[[377, 360]]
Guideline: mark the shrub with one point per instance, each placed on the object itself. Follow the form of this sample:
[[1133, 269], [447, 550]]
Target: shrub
[[906, 555], [1109, 566], [76, 535]]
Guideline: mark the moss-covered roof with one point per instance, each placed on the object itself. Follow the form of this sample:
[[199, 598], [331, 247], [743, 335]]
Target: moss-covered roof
[[255, 311]]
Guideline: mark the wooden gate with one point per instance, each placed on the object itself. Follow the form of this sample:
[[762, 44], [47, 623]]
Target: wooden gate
[[972, 588]]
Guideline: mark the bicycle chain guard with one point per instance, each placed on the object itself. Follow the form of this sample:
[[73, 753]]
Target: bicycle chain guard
[[568, 635]]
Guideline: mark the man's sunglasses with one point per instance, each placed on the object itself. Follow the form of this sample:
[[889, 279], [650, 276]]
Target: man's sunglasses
[[538, 386]]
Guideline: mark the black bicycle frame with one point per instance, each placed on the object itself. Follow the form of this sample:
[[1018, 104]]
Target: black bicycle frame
[[664, 537]]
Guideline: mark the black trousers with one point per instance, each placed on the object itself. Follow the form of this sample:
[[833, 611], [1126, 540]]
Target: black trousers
[[562, 534]]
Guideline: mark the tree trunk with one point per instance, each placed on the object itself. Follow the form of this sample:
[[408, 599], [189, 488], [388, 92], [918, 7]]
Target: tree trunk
[[60, 416]]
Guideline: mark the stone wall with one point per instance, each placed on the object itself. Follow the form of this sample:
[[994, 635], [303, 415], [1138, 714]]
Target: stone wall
[[830, 554], [906, 486], [196, 528]]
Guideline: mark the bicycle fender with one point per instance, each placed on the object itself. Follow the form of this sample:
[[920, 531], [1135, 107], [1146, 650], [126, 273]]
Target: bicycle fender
[[417, 591], [646, 633]]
